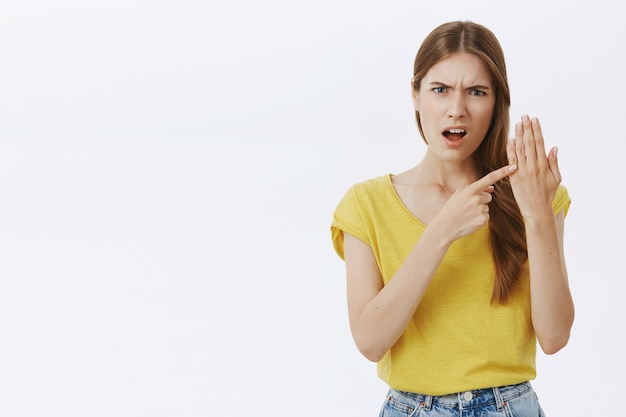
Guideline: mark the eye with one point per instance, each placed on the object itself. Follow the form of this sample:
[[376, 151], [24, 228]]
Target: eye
[[440, 90], [477, 93]]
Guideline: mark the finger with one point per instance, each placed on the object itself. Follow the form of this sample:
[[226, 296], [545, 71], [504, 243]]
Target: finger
[[510, 152], [520, 154], [494, 176], [540, 147], [553, 163], [529, 140]]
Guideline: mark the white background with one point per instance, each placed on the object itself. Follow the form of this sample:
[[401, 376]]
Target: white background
[[168, 173]]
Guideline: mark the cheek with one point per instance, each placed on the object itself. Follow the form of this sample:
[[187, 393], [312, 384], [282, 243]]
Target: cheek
[[420, 126], [485, 115], [428, 113]]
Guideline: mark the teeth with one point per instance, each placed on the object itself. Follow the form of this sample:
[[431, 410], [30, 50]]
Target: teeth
[[456, 130]]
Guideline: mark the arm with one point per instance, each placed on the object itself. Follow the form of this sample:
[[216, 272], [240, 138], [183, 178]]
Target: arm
[[378, 313], [551, 301], [534, 185]]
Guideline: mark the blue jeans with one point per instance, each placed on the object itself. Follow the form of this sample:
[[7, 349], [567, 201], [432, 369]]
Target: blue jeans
[[509, 401]]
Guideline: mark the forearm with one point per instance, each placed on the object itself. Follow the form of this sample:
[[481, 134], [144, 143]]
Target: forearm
[[551, 300], [385, 317]]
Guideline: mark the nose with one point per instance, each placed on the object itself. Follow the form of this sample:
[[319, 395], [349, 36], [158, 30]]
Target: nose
[[457, 107]]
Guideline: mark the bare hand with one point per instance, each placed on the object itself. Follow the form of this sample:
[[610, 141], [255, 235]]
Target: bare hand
[[467, 210], [537, 178]]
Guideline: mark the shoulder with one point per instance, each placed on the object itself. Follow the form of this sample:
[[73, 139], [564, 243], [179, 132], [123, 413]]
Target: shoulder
[[370, 186], [367, 193], [358, 208]]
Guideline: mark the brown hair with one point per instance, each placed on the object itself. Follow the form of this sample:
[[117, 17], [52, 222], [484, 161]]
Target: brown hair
[[506, 225]]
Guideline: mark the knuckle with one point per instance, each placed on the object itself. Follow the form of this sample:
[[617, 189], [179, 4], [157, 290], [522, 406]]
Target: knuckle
[[492, 177]]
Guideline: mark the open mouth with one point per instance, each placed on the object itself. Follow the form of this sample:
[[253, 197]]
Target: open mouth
[[454, 134]]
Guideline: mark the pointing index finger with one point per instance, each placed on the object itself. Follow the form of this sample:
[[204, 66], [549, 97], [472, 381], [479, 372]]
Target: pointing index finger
[[495, 176]]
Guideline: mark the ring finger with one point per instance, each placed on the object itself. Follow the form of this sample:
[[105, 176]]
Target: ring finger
[[520, 152]]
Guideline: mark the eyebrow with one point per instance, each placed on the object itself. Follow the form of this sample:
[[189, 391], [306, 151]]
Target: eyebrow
[[471, 87]]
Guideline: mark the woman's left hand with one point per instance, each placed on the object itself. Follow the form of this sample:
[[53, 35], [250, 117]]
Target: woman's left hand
[[537, 177]]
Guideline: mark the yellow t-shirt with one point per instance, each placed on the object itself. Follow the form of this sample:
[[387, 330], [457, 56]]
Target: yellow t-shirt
[[457, 340]]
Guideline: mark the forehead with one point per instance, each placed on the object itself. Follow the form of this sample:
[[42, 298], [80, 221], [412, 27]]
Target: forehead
[[461, 67]]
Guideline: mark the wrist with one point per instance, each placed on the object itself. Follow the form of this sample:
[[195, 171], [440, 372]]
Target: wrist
[[538, 219], [436, 238]]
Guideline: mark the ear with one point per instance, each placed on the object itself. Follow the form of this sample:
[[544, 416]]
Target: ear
[[415, 95]]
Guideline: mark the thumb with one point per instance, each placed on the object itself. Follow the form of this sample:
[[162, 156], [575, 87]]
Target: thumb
[[553, 163]]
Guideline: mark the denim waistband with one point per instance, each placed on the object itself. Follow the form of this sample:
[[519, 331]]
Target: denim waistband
[[468, 399]]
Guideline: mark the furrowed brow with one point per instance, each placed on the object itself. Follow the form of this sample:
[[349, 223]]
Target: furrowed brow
[[479, 87], [438, 84]]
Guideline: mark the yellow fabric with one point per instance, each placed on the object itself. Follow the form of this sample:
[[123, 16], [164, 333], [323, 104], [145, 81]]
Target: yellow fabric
[[457, 340]]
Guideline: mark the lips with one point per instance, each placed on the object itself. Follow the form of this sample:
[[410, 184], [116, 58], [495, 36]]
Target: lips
[[453, 136]]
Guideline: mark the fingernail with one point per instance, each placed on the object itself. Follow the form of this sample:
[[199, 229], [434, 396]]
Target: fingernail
[[512, 168], [525, 118], [518, 127], [535, 121], [556, 151]]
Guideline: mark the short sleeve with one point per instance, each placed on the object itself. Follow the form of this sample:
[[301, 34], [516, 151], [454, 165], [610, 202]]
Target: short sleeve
[[561, 201], [347, 218]]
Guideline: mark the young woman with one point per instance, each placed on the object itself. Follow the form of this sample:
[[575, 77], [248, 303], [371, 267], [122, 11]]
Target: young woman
[[455, 268]]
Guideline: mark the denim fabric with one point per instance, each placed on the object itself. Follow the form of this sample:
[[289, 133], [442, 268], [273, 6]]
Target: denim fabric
[[509, 401]]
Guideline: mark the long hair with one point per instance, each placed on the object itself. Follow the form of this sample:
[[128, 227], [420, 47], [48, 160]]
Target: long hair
[[506, 225]]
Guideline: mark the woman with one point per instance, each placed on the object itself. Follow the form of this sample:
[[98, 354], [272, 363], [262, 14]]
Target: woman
[[455, 268]]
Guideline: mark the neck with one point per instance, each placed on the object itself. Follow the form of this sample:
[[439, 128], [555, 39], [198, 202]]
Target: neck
[[450, 175]]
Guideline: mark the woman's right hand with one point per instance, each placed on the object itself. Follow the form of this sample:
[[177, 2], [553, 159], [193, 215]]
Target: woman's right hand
[[467, 210]]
